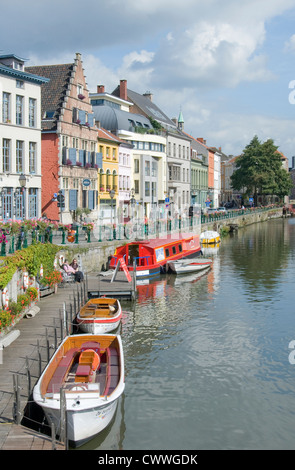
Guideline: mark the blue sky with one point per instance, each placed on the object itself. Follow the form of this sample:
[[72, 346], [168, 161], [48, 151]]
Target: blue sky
[[226, 64]]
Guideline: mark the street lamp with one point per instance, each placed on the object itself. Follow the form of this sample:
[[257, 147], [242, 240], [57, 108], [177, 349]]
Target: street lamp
[[20, 196], [132, 202], [22, 180]]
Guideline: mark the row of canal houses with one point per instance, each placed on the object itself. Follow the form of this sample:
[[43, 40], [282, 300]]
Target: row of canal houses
[[68, 153]]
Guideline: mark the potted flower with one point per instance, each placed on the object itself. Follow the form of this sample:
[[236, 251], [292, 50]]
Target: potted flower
[[69, 162], [81, 97]]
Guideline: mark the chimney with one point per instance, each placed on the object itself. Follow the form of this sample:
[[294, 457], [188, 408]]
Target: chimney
[[123, 89], [148, 95], [100, 88]]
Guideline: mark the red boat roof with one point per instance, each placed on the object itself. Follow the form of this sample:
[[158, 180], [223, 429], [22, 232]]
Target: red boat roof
[[155, 242]]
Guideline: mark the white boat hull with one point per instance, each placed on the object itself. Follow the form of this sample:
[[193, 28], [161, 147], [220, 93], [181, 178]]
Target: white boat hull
[[83, 425], [98, 328], [189, 265]]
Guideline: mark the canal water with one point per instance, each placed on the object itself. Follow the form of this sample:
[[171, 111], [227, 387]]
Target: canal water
[[208, 362]]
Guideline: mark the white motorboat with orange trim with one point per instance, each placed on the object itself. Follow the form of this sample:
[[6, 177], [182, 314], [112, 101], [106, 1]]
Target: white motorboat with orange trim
[[99, 315], [90, 371]]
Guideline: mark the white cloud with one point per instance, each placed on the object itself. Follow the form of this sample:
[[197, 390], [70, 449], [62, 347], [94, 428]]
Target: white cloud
[[290, 44], [187, 54]]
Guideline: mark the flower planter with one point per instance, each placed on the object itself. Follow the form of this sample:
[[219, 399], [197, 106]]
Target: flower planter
[[19, 317]]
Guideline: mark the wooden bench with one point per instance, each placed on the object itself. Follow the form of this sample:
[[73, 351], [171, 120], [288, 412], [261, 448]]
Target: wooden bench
[[61, 370], [113, 370]]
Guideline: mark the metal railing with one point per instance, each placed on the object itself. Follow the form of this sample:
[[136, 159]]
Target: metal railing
[[137, 229]]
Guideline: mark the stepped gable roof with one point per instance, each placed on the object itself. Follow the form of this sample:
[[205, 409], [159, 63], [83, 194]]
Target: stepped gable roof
[[53, 93], [113, 119]]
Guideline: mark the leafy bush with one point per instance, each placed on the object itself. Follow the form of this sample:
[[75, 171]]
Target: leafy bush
[[31, 259]]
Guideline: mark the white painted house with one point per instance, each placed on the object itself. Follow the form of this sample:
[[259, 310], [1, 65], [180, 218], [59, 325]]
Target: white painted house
[[20, 140]]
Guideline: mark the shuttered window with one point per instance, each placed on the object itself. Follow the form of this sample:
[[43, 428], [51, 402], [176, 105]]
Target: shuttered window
[[90, 119], [73, 155], [73, 197], [82, 116], [91, 202], [98, 159], [82, 157]]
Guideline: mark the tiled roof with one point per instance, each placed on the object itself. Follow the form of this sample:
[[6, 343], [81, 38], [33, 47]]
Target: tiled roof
[[53, 92], [104, 134]]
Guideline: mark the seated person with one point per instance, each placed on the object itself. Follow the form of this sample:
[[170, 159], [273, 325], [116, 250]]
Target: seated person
[[79, 273], [70, 270]]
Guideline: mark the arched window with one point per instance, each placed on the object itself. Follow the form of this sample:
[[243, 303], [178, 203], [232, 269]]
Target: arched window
[[101, 181], [108, 180], [115, 181]]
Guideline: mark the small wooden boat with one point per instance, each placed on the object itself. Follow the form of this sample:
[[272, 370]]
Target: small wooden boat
[[150, 257], [90, 371], [184, 266], [99, 315], [209, 237]]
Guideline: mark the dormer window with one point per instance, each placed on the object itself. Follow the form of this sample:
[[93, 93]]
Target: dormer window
[[18, 65]]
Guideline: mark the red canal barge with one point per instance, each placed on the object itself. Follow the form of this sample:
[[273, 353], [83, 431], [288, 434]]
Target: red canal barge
[[151, 256]]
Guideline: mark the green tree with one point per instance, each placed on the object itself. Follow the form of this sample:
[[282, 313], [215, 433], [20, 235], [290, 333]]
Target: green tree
[[259, 171]]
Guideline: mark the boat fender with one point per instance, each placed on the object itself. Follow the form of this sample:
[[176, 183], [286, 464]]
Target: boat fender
[[5, 297], [26, 280]]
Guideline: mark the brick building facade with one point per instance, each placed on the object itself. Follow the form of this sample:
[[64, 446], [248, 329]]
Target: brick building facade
[[70, 161]]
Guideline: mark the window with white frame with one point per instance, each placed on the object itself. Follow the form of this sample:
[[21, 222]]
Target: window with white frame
[[6, 107], [32, 202], [65, 141], [6, 152], [32, 112], [32, 157], [147, 188], [79, 89], [147, 170], [19, 156], [19, 110]]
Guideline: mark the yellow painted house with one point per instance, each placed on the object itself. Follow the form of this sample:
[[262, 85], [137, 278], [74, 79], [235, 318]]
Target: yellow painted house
[[108, 175]]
